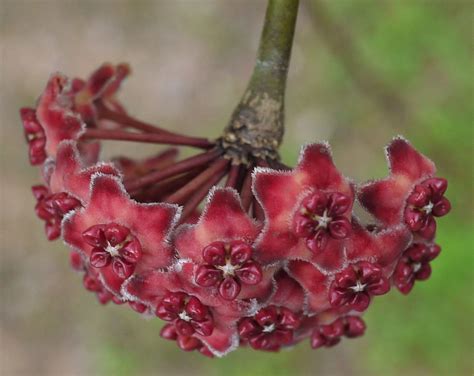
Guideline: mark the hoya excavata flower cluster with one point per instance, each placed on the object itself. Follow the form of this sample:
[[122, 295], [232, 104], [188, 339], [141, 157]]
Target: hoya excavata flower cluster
[[226, 251]]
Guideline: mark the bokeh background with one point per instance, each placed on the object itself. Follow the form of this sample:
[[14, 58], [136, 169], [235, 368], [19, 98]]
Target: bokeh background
[[362, 71]]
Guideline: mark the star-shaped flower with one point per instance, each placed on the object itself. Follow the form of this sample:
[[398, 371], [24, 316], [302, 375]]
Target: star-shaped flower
[[221, 246], [154, 288], [307, 210], [112, 234], [410, 194]]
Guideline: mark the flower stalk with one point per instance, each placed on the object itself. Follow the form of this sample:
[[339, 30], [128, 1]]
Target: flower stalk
[[256, 126]]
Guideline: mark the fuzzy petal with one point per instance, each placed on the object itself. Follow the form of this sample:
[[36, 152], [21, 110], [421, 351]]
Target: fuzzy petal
[[405, 160], [313, 282], [109, 203], [318, 169], [383, 248], [223, 339], [69, 174], [55, 115], [289, 293], [385, 199], [281, 193], [150, 287], [223, 219]]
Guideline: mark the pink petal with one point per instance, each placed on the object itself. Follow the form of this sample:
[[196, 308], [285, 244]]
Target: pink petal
[[224, 337], [71, 176], [151, 287], [405, 160], [288, 293], [318, 170], [223, 219], [275, 244], [330, 258], [55, 115], [111, 279], [384, 247], [277, 192], [385, 199], [313, 282]]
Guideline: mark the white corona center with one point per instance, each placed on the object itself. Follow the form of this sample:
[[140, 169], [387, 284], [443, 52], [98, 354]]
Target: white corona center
[[184, 316], [416, 267], [228, 269], [358, 287], [113, 251], [323, 220], [268, 328], [428, 208]]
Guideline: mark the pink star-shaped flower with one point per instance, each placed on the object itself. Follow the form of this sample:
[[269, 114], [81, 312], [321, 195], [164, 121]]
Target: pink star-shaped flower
[[275, 324], [220, 244], [68, 187], [112, 234], [307, 210], [154, 287], [410, 194]]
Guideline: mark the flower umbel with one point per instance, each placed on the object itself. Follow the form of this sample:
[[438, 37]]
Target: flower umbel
[[229, 247]]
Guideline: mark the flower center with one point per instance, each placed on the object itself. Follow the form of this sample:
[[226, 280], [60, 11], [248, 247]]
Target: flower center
[[228, 269], [416, 267], [323, 220], [428, 208], [358, 287], [113, 251], [184, 316], [268, 328]]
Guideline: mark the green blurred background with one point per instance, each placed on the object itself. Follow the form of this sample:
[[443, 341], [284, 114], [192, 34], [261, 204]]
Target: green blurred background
[[362, 71]]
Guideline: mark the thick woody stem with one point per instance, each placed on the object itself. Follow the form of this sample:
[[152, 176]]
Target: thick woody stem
[[257, 125]]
